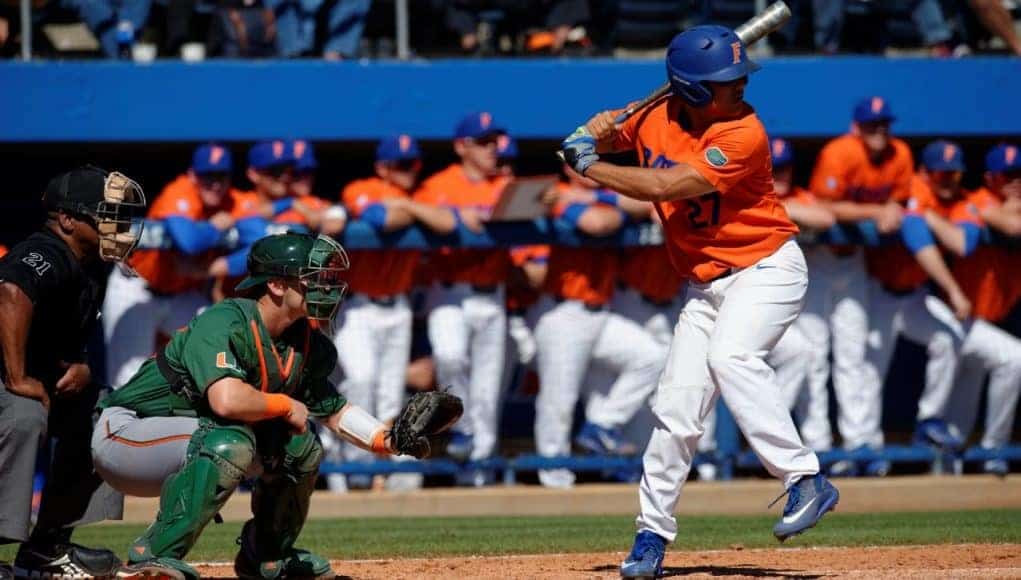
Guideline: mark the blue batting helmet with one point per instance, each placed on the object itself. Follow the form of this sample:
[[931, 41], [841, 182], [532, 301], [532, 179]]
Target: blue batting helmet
[[705, 53]]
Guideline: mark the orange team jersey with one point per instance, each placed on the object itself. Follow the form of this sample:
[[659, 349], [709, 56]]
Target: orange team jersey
[[377, 273], [800, 195], [580, 273], [648, 270], [293, 216], [169, 271], [521, 295], [895, 267], [733, 227], [452, 188], [989, 276], [3, 250]]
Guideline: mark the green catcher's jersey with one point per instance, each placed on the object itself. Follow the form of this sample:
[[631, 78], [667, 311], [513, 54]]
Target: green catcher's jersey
[[230, 340]]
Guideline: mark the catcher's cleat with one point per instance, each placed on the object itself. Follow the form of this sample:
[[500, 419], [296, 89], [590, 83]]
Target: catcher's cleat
[[808, 500], [64, 562], [646, 557], [158, 569], [296, 564]]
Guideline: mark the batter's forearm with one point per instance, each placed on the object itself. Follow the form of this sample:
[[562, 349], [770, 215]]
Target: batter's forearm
[[16, 312], [646, 184]]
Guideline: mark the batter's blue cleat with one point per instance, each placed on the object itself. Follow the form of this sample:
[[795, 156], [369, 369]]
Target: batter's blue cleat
[[808, 500], [646, 557], [603, 441], [937, 432]]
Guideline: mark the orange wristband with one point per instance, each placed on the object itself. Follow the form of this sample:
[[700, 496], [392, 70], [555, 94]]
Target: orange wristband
[[277, 405], [379, 443]]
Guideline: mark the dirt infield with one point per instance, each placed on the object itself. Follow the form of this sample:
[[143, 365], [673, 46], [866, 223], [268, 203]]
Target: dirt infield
[[949, 561]]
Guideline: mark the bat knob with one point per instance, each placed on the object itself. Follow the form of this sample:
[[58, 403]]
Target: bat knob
[[560, 155]]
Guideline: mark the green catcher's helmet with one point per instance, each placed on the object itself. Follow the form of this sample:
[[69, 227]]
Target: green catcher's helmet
[[317, 261]]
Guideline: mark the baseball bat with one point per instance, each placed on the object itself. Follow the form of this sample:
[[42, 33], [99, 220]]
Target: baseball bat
[[773, 17]]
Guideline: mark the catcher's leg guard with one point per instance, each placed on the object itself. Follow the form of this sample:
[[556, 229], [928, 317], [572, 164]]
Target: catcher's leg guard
[[280, 503], [218, 459]]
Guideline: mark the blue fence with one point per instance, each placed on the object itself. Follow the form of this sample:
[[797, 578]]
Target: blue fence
[[538, 99]]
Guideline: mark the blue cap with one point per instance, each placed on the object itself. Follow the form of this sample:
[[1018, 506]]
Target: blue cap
[[398, 148], [477, 126], [268, 154], [506, 147], [781, 152], [943, 156], [211, 158], [303, 154], [1003, 158], [873, 109]]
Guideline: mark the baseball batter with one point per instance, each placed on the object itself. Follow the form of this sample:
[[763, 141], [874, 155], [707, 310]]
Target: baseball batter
[[705, 164], [228, 398], [988, 276]]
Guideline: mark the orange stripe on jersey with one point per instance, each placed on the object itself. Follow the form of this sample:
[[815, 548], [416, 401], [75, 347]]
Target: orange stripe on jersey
[[733, 227], [989, 277], [845, 172], [377, 273], [263, 372], [146, 443], [452, 188]]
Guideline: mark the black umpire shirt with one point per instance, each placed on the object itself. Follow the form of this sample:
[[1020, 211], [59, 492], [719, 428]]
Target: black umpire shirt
[[66, 298]]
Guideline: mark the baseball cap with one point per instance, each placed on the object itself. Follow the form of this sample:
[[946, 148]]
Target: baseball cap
[[943, 155], [303, 154], [781, 152], [211, 158], [77, 190], [506, 147], [265, 154], [397, 148], [1003, 158], [477, 126], [873, 109]]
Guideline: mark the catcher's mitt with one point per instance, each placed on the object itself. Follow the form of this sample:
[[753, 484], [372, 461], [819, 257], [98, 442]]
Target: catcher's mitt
[[422, 421]]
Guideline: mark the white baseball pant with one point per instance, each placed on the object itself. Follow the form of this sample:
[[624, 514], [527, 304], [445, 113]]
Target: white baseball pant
[[835, 311], [373, 343], [990, 350], [909, 315], [725, 331], [132, 315], [571, 337], [468, 335]]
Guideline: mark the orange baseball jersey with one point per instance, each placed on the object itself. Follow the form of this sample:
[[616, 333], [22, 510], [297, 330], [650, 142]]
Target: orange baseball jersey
[[845, 172], [293, 216], [989, 277], [452, 188], [648, 270], [800, 195], [733, 227], [3, 250], [895, 267], [377, 273], [169, 271], [580, 273], [521, 295]]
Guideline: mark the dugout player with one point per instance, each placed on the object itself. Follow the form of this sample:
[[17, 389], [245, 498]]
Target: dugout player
[[373, 333], [987, 276], [228, 398], [197, 210], [705, 163], [50, 292], [467, 318], [858, 176]]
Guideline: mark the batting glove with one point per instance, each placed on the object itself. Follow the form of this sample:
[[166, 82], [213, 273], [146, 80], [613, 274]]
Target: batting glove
[[579, 149]]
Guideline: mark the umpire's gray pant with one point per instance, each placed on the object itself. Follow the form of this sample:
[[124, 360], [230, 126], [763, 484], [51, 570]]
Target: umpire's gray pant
[[74, 494]]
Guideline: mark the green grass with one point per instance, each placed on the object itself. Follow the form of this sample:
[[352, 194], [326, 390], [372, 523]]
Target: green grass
[[420, 537]]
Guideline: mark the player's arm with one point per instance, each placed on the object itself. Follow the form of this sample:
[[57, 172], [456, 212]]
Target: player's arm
[[811, 216], [961, 238], [1005, 218], [402, 212], [682, 181], [594, 220], [16, 311], [234, 399], [194, 237], [356, 425], [918, 238]]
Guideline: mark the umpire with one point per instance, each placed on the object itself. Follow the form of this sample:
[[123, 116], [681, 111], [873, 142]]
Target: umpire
[[50, 292]]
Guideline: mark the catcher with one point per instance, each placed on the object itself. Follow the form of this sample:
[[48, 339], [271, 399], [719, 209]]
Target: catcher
[[230, 398]]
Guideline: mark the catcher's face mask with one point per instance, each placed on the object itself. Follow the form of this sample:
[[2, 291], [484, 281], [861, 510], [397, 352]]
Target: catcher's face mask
[[118, 217], [321, 279]]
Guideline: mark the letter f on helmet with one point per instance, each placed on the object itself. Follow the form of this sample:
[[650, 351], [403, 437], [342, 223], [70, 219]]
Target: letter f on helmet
[[705, 53]]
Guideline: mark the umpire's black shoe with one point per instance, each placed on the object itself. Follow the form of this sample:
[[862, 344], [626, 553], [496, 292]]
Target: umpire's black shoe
[[64, 562]]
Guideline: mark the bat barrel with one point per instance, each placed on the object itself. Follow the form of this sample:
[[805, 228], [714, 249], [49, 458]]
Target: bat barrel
[[774, 16]]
